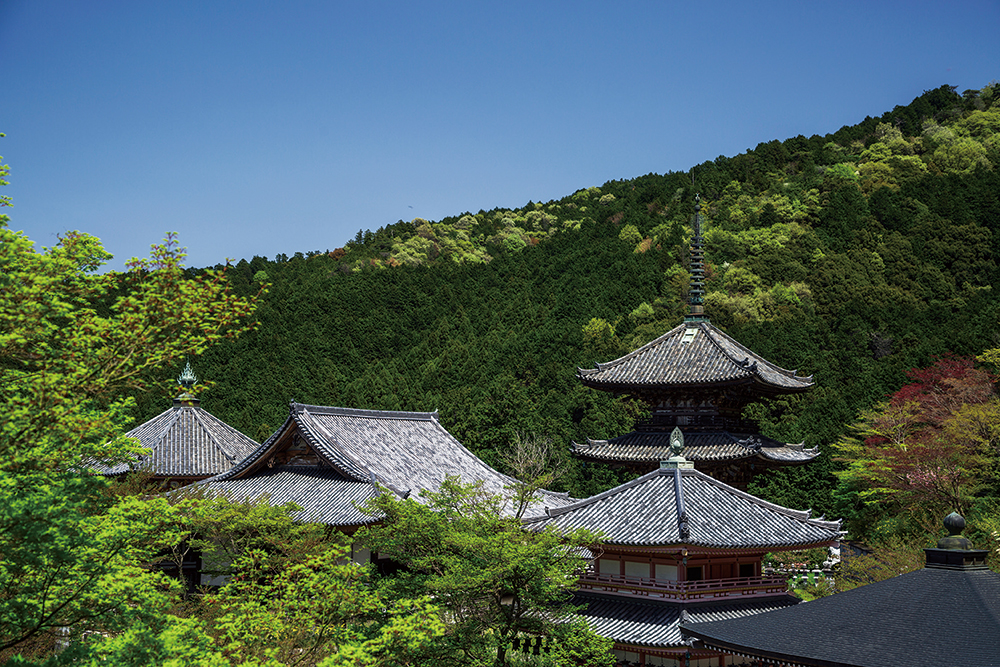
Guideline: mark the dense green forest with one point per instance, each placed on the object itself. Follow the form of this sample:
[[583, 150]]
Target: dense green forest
[[854, 256]]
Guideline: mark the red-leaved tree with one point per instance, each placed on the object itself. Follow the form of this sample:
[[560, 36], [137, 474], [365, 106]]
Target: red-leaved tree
[[931, 445]]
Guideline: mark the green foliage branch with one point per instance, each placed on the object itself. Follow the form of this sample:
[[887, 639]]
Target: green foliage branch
[[495, 580]]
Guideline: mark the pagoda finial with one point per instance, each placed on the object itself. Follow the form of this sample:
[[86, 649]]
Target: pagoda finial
[[187, 381], [676, 459], [676, 442], [696, 293], [187, 378]]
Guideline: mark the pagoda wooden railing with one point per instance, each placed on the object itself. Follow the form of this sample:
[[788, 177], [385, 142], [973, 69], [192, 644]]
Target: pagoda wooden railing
[[645, 587]]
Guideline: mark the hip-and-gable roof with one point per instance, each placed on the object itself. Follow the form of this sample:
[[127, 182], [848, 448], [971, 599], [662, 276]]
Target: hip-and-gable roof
[[406, 452]]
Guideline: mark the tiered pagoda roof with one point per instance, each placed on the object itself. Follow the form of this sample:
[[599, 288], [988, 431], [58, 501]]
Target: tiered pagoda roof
[[692, 355], [699, 378], [326, 458], [660, 528], [717, 446], [684, 507]]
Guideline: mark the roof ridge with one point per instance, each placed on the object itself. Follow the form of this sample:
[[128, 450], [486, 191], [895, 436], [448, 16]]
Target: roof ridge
[[332, 442], [437, 425], [804, 516], [364, 413], [620, 360], [158, 440], [750, 353], [553, 512], [218, 423], [211, 435], [710, 332]]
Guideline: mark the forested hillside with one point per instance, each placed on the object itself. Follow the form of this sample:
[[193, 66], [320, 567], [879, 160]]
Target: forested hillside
[[854, 256]]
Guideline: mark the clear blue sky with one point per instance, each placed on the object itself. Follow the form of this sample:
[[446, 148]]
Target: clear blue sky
[[258, 128]]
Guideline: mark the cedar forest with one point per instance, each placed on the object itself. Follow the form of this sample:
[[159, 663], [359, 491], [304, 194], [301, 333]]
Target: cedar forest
[[856, 257], [865, 258]]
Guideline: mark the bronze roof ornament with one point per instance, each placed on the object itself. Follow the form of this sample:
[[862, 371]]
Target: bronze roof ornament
[[187, 378], [677, 460], [676, 442], [955, 524], [187, 381]]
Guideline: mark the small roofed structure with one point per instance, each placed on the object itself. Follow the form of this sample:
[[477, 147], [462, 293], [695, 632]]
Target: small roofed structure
[[681, 545], [329, 460], [185, 443], [945, 614], [697, 378]]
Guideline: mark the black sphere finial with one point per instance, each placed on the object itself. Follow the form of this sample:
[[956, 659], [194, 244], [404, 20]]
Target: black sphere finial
[[955, 524]]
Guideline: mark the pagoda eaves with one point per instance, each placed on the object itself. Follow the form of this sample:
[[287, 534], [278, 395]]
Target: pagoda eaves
[[690, 356]]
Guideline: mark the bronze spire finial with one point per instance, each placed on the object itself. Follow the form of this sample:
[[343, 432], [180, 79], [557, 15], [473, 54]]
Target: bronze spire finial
[[187, 381], [187, 378], [696, 293]]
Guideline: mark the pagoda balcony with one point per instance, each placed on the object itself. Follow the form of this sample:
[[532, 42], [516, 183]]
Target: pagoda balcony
[[683, 591]]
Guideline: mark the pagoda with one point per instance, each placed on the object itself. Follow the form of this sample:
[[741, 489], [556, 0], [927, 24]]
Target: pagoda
[[680, 547], [698, 379]]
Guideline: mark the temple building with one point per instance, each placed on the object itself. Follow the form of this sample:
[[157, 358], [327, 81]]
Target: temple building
[[698, 379], [184, 443], [948, 613], [328, 460], [681, 547]]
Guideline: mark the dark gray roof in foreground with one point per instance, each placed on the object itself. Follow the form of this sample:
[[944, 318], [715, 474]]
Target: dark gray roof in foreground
[[709, 357], [926, 618], [656, 624], [325, 495], [654, 446], [405, 451], [646, 511], [186, 441]]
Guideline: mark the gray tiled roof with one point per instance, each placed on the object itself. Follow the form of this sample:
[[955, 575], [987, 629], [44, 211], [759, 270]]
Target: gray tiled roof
[[325, 495], [405, 451], [710, 357], [925, 618], [186, 441], [652, 446], [656, 624], [646, 511]]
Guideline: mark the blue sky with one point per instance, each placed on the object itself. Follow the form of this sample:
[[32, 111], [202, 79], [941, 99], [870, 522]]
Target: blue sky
[[258, 128]]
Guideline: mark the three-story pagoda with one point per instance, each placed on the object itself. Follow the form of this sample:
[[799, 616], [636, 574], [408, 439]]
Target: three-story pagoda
[[698, 379], [678, 546]]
